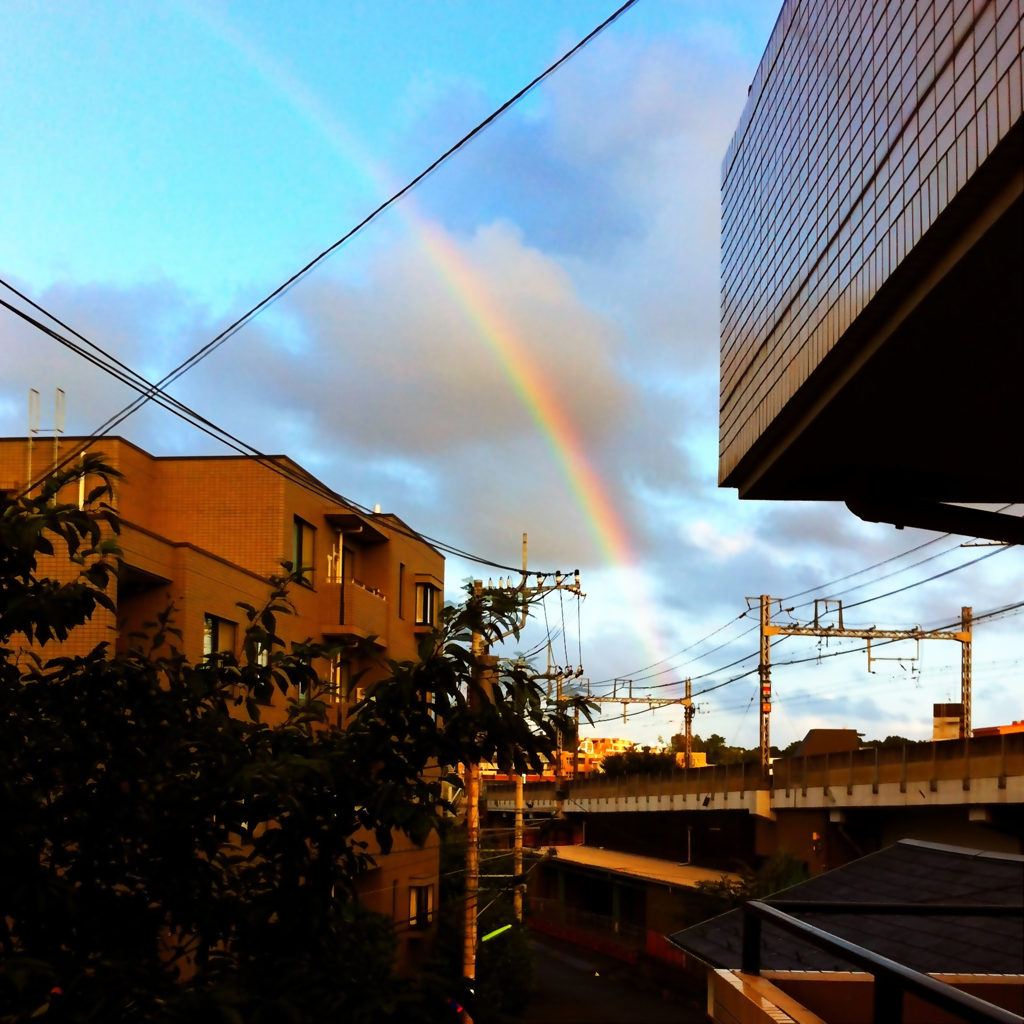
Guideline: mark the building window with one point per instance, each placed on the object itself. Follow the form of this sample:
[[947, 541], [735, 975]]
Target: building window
[[426, 604], [401, 590], [421, 906], [263, 693], [218, 635], [340, 682], [305, 550]]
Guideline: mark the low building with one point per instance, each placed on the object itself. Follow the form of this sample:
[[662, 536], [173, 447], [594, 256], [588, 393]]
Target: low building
[[203, 533], [1000, 730], [781, 973], [621, 904], [948, 722], [584, 761]]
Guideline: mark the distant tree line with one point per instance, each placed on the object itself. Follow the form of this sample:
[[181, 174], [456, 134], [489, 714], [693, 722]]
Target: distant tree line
[[644, 760]]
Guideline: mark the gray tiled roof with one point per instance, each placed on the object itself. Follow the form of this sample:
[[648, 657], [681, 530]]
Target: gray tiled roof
[[909, 872]]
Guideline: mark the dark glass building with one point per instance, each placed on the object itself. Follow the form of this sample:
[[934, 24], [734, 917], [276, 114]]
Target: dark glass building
[[872, 345]]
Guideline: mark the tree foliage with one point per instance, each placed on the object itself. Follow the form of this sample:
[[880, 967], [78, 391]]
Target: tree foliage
[[638, 762], [165, 855], [780, 871]]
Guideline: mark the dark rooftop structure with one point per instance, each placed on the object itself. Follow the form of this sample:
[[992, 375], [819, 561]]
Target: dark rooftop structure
[[872, 348], [827, 741], [908, 872]]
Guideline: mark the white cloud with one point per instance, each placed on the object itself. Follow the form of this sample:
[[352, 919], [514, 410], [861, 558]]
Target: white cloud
[[719, 545]]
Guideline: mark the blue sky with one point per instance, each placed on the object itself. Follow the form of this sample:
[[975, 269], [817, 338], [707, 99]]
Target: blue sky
[[164, 165]]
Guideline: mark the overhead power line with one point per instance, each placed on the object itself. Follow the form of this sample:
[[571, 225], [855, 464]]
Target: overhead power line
[[860, 586], [996, 613], [860, 572], [635, 674], [214, 343], [868, 600], [126, 375], [150, 390]]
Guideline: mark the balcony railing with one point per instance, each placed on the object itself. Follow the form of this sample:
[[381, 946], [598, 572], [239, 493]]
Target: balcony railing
[[353, 609]]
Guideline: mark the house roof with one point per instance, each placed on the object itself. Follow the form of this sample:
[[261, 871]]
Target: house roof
[[827, 741], [648, 869], [908, 872]]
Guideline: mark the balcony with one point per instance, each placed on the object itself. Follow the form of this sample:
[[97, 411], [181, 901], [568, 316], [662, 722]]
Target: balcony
[[358, 611]]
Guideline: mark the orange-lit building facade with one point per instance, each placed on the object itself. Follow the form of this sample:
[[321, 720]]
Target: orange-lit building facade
[[205, 533]]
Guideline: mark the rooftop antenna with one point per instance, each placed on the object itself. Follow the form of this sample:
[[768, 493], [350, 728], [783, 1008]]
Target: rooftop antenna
[[34, 430]]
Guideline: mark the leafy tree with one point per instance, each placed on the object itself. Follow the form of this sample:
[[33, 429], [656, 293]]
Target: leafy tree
[[167, 856], [637, 762], [889, 741], [717, 749], [780, 871]]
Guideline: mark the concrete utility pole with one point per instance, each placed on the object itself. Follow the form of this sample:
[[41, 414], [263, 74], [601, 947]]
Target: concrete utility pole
[[768, 630], [764, 674], [966, 621], [472, 786], [689, 711], [560, 744], [517, 857], [472, 772]]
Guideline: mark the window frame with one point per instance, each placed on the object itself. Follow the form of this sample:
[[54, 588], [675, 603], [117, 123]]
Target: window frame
[[303, 561], [212, 628], [421, 906], [426, 604]]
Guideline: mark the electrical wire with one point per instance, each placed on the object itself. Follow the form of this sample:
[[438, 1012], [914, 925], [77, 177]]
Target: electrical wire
[[636, 673], [869, 600], [579, 631], [1006, 610], [120, 371], [822, 586], [565, 639], [860, 572], [200, 354]]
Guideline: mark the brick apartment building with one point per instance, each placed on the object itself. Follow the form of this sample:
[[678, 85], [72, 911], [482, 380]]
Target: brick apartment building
[[205, 533]]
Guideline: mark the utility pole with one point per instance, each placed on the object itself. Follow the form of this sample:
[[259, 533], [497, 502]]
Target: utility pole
[[966, 621], [839, 631], [472, 781], [764, 674], [517, 857], [472, 786], [689, 710], [576, 747], [629, 699]]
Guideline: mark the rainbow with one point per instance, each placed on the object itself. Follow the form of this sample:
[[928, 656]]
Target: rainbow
[[530, 385], [525, 376]]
